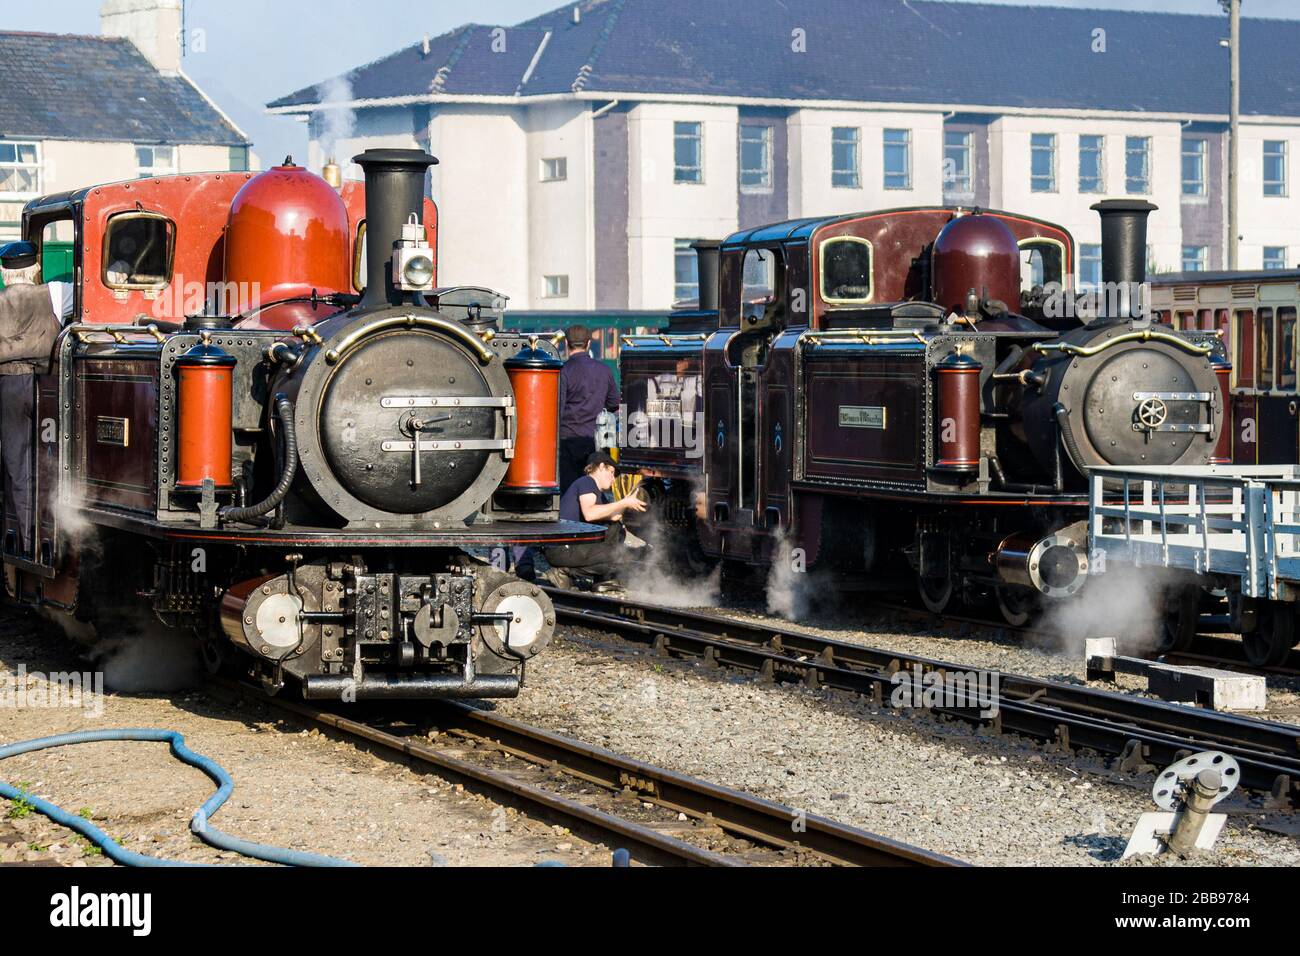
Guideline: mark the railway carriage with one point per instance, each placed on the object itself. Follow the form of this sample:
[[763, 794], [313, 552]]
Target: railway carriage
[[267, 425], [918, 393]]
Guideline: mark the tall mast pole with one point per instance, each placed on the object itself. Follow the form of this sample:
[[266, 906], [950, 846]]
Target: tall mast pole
[[1233, 9]]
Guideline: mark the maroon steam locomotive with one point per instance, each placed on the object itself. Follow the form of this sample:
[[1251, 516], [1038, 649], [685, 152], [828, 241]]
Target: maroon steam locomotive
[[301, 481], [882, 386]]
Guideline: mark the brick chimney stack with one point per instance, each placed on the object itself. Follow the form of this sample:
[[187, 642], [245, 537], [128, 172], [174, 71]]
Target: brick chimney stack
[[154, 26]]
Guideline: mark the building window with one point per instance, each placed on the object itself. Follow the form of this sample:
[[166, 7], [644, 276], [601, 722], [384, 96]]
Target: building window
[[1274, 167], [898, 159], [155, 161], [688, 152], [1193, 167], [1275, 257], [1194, 258], [555, 287], [1042, 162], [20, 169], [239, 159], [755, 158], [845, 167], [1089, 266], [555, 170], [1137, 165], [958, 168], [1092, 164], [686, 272]]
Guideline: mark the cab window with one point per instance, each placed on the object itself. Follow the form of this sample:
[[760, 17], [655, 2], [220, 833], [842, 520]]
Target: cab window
[[138, 250], [1286, 377], [846, 270], [359, 259], [1264, 352], [1041, 261], [759, 281], [1244, 357]]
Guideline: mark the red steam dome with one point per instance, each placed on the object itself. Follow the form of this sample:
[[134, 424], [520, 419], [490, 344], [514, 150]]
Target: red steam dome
[[976, 253], [287, 236]]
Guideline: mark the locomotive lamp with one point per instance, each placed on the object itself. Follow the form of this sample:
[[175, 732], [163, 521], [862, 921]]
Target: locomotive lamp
[[413, 259]]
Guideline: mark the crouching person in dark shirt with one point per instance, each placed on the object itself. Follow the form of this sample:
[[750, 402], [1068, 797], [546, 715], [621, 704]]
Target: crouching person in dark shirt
[[585, 501]]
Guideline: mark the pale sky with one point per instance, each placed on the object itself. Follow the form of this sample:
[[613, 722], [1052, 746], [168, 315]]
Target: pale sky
[[258, 50]]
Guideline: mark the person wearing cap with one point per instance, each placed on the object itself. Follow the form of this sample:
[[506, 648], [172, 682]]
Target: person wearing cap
[[31, 316], [584, 501], [587, 388]]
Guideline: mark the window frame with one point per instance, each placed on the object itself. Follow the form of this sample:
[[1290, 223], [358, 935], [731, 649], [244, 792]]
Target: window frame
[[1203, 259], [685, 247], [856, 143], [1052, 149], [1284, 315], [1280, 259], [105, 259], [543, 177], [1243, 347], [1265, 341], [37, 166], [1145, 153], [885, 146], [821, 271], [767, 141], [1284, 157], [152, 171], [1100, 152], [546, 281], [1032, 241], [1084, 257], [698, 138], [1202, 159], [967, 147]]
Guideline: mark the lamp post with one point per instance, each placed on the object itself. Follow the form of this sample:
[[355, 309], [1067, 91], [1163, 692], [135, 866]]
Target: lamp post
[[1233, 9]]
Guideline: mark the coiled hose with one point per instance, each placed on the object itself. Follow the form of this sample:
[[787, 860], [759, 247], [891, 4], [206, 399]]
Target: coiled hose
[[199, 825], [284, 411]]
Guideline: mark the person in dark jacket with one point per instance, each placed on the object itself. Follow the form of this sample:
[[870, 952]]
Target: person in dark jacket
[[31, 315], [586, 501], [586, 389]]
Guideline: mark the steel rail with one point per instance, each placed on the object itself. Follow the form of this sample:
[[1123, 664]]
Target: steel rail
[[739, 814], [1140, 730]]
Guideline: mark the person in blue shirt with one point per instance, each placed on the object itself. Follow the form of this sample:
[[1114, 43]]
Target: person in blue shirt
[[587, 388], [586, 501]]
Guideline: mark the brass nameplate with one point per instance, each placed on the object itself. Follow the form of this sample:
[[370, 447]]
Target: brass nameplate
[[862, 416], [113, 431]]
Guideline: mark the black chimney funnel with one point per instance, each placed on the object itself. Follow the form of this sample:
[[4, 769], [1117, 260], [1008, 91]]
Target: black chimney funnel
[[1123, 253], [708, 254], [394, 192]]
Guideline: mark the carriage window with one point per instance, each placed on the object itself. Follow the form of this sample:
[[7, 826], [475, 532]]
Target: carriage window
[[138, 250], [1184, 321], [1264, 356], [1286, 378], [1041, 262], [1244, 359], [1205, 320], [846, 270], [1223, 325]]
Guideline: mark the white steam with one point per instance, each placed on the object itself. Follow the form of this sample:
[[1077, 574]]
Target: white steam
[[1127, 604], [337, 122], [656, 578]]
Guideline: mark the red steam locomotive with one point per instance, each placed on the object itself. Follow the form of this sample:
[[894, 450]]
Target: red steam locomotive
[[880, 392], [267, 425]]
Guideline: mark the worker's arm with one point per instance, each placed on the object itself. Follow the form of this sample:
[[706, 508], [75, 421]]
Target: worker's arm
[[594, 512]]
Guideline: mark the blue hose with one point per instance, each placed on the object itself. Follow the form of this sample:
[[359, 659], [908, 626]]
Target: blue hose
[[198, 823]]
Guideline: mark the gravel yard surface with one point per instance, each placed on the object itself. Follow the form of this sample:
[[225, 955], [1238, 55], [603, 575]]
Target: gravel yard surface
[[293, 787], [940, 785]]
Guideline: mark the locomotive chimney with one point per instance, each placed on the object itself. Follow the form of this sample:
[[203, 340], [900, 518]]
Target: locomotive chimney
[[1123, 255], [394, 193], [707, 252]]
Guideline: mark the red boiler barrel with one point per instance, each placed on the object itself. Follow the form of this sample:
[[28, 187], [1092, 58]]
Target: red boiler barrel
[[976, 253], [535, 377], [286, 237], [205, 395], [958, 413]]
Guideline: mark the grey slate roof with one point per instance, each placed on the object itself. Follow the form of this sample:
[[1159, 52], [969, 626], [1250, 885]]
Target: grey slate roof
[[100, 89], [924, 51]]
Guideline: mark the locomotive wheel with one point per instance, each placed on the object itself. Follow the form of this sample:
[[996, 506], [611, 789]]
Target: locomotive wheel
[[936, 593], [1179, 623], [1268, 643], [1016, 605]]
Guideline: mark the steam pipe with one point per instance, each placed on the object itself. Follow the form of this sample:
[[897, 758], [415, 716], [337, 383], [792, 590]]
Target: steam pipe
[[394, 193], [284, 409]]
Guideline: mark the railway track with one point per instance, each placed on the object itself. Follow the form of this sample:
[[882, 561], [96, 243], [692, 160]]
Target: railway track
[[1139, 732], [625, 803]]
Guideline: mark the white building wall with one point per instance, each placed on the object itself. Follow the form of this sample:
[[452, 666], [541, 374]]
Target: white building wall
[[1267, 220], [1011, 189], [661, 211], [812, 190], [559, 215]]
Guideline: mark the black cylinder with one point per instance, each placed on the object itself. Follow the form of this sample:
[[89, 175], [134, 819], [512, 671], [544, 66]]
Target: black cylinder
[[394, 192], [1123, 243], [708, 252]]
